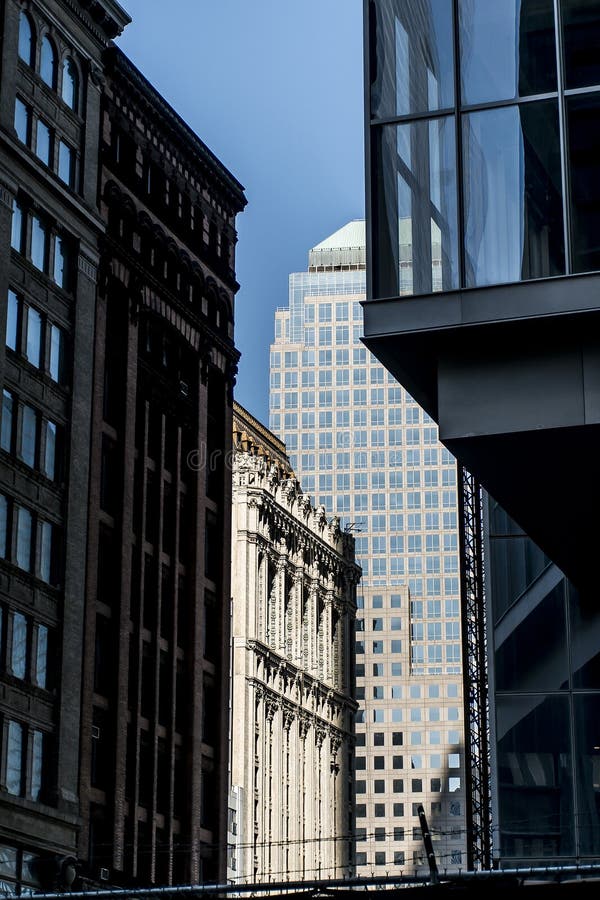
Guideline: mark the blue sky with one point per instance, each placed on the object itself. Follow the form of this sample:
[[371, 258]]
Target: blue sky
[[275, 88]]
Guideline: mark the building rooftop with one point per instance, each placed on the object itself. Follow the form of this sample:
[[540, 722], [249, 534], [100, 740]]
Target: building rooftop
[[344, 249]]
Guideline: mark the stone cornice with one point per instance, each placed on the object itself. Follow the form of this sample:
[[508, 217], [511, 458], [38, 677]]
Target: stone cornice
[[274, 697], [294, 673], [202, 159], [104, 19]]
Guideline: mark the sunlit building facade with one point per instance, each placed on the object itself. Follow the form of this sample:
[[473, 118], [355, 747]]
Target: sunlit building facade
[[293, 606], [367, 453]]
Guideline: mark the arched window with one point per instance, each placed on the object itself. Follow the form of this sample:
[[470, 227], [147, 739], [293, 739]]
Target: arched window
[[26, 45], [70, 83], [48, 62]]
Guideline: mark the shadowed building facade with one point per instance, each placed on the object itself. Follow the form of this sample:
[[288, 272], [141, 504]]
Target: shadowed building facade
[[118, 365]]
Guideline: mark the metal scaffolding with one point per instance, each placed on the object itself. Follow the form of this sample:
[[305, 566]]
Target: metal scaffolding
[[477, 733]]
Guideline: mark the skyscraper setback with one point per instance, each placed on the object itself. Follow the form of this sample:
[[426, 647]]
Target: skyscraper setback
[[364, 449]]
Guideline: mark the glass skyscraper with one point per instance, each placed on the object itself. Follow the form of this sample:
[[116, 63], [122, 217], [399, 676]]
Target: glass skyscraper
[[366, 452]]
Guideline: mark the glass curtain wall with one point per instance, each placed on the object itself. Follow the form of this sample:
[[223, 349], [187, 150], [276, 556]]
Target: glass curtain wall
[[485, 130], [546, 702]]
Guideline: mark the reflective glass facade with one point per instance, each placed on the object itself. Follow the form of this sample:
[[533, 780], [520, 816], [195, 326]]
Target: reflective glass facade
[[545, 680], [484, 125]]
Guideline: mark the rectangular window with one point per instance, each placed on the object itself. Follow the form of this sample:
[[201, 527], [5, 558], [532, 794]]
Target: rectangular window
[[6, 434], [61, 262], [17, 235], [41, 657], [22, 121], [66, 164], [18, 656], [45, 560], [14, 759], [34, 337], [57, 354], [39, 244], [43, 143], [12, 321], [37, 764], [50, 458], [28, 437], [23, 528]]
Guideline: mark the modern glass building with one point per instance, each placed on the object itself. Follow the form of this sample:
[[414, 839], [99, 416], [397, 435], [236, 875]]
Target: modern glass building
[[364, 450], [483, 136]]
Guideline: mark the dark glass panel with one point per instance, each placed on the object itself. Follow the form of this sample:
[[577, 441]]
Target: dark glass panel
[[581, 36], [507, 49], [533, 656], [412, 67], [515, 563], [587, 772], [585, 639], [584, 148], [415, 209], [512, 194], [535, 789]]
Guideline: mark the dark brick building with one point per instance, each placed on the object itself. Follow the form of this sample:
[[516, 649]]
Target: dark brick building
[[117, 236]]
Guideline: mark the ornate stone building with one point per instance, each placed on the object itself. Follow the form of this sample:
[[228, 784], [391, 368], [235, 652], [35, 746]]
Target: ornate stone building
[[293, 585]]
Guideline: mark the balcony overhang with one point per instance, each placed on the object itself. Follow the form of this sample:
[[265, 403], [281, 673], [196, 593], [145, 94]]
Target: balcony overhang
[[512, 376]]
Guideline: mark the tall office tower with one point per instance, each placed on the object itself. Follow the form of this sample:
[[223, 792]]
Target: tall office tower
[[49, 247], [117, 229], [368, 453], [293, 607], [155, 724], [483, 123]]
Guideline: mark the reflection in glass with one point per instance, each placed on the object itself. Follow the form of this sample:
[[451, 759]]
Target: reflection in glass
[[587, 771], [57, 353], [412, 57], [512, 194], [584, 148], [28, 435], [34, 337], [41, 658], [22, 117], [18, 656], [507, 49], [26, 45], [37, 761], [416, 209], [585, 640], [534, 776], [14, 759], [66, 166], [23, 538], [16, 234], [515, 563], [39, 243], [43, 142], [50, 451], [45, 563], [581, 25], [533, 656], [70, 83], [12, 321], [48, 62]]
